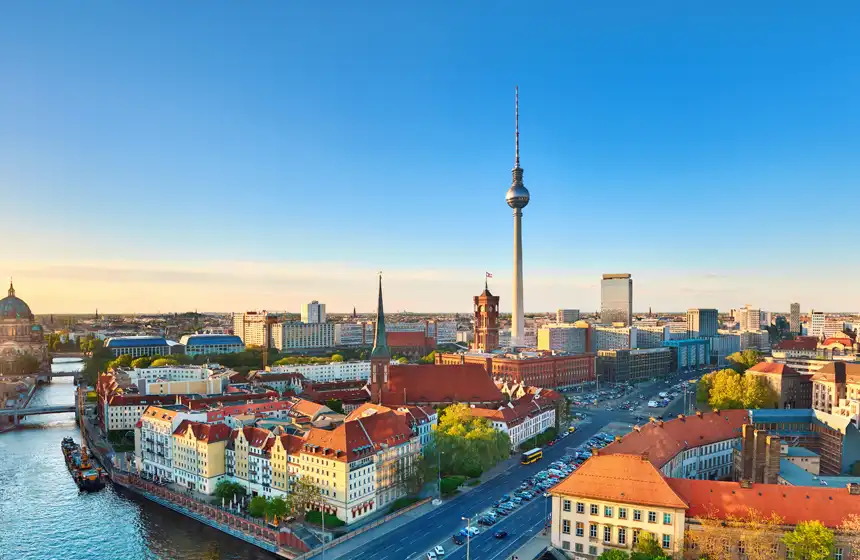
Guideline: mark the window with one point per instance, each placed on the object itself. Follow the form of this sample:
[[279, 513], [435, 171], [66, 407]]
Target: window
[[565, 527], [577, 547], [580, 507], [565, 545], [566, 505], [622, 535], [667, 541], [580, 529], [622, 513], [667, 519], [607, 511], [637, 515], [593, 509], [607, 534], [592, 550], [652, 517], [635, 536], [592, 531], [838, 554]]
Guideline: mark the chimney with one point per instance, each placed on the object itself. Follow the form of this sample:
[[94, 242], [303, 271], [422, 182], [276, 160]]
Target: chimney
[[699, 413], [746, 483], [595, 451], [717, 411], [854, 489], [617, 438], [660, 423], [637, 428], [681, 417], [644, 455]]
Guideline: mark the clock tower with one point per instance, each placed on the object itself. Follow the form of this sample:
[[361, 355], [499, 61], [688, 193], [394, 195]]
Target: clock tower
[[486, 321]]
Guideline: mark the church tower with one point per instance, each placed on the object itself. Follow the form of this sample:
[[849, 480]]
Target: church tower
[[380, 357], [486, 321]]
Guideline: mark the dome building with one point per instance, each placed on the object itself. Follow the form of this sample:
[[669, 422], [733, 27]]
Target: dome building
[[19, 331]]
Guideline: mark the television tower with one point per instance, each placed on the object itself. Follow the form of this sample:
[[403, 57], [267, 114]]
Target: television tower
[[517, 198]]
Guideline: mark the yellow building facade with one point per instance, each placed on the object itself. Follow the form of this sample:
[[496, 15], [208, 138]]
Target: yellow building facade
[[199, 452]]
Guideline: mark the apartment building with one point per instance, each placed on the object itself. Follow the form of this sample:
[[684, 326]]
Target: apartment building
[[524, 418], [793, 389], [567, 315], [313, 312], [614, 337], [794, 319], [648, 336], [817, 320], [326, 373], [564, 337], [295, 336], [199, 455], [623, 366]]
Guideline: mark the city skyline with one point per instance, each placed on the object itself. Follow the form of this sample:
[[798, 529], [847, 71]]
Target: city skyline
[[196, 179]]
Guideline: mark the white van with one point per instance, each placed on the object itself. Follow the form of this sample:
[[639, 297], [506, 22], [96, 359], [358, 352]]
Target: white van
[[653, 404], [663, 395]]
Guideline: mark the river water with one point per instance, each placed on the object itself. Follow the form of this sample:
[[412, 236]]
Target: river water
[[44, 517]]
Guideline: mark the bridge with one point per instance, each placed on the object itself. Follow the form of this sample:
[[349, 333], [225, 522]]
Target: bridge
[[29, 411], [80, 355]]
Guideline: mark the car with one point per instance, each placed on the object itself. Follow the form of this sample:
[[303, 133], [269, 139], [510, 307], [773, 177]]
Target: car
[[503, 512], [456, 540], [431, 555], [439, 550], [501, 534]]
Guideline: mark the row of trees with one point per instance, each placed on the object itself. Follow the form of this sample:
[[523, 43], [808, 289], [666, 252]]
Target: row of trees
[[301, 498], [464, 444], [727, 389], [56, 342], [756, 537], [646, 548]]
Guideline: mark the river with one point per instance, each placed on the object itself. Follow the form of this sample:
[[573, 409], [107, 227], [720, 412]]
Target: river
[[44, 517]]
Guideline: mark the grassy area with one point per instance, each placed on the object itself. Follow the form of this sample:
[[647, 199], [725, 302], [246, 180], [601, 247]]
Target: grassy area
[[331, 521], [401, 503], [474, 482], [539, 441]]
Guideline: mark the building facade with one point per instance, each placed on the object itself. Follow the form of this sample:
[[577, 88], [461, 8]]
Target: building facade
[[794, 319], [816, 323], [325, 373], [624, 366], [691, 354], [702, 322], [616, 299], [564, 337], [651, 336], [792, 389], [211, 344], [20, 333], [567, 315], [137, 346], [313, 312], [486, 307], [199, 452], [300, 336], [614, 337]]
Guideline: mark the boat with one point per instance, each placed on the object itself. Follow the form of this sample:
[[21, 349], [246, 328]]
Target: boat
[[87, 477]]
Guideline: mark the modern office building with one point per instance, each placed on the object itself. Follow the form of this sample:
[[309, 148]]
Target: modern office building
[[648, 336], [313, 312], [614, 338], [622, 366], [748, 318], [616, 299], [690, 355], [702, 322], [755, 340], [766, 318], [212, 344], [564, 337], [292, 336], [794, 319], [816, 323], [567, 315], [724, 344]]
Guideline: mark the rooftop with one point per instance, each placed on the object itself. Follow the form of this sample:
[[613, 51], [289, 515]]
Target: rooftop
[[773, 369], [208, 339], [135, 341], [623, 478], [440, 383]]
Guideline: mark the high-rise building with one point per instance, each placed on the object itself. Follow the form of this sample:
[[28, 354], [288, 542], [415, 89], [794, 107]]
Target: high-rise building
[[648, 336], [794, 319], [313, 312], [616, 299], [701, 322], [816, 323], [288, 335], [564, 337], [567, 316], [486, 321], [255, 327], [749, 319], [766, 318], [614, 338], [517, 198]]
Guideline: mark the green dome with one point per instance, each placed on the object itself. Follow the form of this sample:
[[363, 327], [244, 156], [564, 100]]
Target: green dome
[[12, 307]]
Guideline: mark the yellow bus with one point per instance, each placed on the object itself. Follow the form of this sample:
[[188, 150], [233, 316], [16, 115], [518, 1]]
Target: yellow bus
[[530, 457], [571, 429]]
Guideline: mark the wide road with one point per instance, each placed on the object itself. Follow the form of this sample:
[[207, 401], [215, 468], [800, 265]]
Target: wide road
[[414, 539]]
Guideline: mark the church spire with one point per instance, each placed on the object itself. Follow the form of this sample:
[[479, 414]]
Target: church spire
[[11, 289], [380, 346]]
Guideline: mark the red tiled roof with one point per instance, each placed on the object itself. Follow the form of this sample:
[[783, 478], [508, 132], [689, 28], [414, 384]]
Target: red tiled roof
[[793, 503], [468, 383], [800, 343], [292, 443], [256, 437], [344, 395], [406, 339], [662, 443], [773, 368], [122, 399], [198, 403], [264, 378], [623, 478], [844, 340], [306, 407], [210, 433], [347, 442]]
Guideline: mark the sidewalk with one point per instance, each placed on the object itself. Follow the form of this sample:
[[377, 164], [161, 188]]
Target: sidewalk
[[532, 549]]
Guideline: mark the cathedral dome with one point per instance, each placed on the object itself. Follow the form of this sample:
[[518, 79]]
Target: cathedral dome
[[12, 307]]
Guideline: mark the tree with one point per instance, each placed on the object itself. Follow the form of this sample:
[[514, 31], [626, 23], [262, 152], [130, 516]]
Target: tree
[[304, 495], [850, 532], [429, 358], [469, 445], [120, 361], [335, 404], [276, 508], [161, 362], [257, 506], [726, 390], [227, 490], [703, 388], [613, 555], [757, 392], [142, 362], [336, 358], [742, 361], [715, 536], [647, 547], [810, 540], [403, 360]]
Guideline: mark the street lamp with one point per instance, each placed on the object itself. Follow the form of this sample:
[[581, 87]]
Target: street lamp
[[439, 471], [545, 500], [468, 521]]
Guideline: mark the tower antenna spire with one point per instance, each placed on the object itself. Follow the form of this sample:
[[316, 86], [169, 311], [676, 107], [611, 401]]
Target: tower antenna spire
[[517, 123]]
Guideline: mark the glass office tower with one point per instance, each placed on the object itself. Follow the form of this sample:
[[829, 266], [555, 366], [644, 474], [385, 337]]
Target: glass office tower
[[616, 299]]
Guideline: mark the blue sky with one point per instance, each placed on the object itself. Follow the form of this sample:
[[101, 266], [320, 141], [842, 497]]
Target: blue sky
[[167, 156]]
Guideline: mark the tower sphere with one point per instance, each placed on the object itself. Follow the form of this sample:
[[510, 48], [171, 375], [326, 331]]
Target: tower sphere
[[518, 195]]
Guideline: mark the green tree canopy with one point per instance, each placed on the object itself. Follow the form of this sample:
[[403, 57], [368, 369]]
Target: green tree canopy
[[742, 361], [257, 506], [647, 547], [469, 445], [336, 358], [227, 490], [810, 540], [758, 393], [142, 362], [614, 555], [161, 362], [335, 404], [726, 390]]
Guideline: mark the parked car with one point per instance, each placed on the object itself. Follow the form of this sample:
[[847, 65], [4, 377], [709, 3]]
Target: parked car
[[431, 555], [439, 550]]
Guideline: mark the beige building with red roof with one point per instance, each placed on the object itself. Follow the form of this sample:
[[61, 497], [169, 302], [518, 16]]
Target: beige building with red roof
[[611, 500], [697, 446], [792, 388], [525, 417], [199, 455]]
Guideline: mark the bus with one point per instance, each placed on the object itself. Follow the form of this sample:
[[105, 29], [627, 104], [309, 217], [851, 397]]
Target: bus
[[530, 457], [571, 429]]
